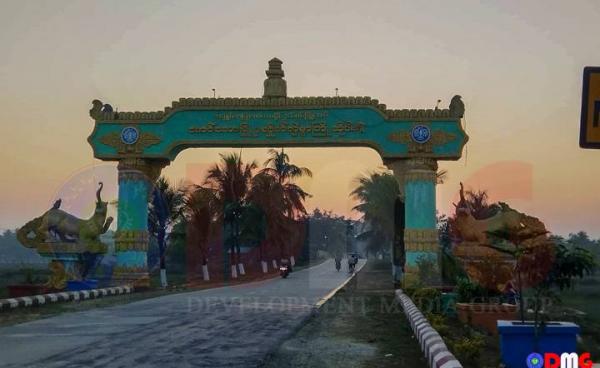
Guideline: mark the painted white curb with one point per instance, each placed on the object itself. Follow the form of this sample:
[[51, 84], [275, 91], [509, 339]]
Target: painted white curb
[[28, 301], [432, 344]]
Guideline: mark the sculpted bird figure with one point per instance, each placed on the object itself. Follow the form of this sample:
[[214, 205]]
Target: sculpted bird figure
[[457, 107], [56, 204]]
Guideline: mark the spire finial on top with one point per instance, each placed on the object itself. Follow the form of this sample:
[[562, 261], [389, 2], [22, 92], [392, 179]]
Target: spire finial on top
[[275, 85]]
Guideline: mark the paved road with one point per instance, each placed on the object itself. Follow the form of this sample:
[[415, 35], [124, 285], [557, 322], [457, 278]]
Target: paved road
[[226, 327]]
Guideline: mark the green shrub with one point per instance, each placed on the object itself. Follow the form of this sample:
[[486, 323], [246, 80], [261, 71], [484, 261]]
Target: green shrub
[[438, 322], [428, 270], [468, 291], [468, 348], [427, 293], [410, 291], [428, 300]]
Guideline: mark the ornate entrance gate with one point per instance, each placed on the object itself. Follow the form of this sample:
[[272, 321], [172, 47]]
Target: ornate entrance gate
[[409, 141]]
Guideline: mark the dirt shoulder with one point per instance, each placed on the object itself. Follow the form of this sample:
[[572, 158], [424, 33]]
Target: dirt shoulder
[[361, 326]]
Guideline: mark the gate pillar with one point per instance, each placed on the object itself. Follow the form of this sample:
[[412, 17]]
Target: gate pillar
[[417, 178], [398, 167], [136, 180]]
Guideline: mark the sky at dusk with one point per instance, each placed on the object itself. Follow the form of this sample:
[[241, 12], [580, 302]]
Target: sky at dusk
[[517, 65]]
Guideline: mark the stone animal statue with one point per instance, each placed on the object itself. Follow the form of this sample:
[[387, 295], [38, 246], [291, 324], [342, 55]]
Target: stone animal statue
[[457, 107], [476, 231], [58, 278], [100, 110], [66, 226]]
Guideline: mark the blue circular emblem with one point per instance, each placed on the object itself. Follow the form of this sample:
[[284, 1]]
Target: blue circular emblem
[[129, 135], [420, 134], [535, 360]]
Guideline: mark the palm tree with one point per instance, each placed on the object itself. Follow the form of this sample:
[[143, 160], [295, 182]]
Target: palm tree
[[377, 194], [164, 210], [478, 203], [281, 199], [230, 181], [251, 208], [264, 195], [280, 167], [252, 224], [201, 215]]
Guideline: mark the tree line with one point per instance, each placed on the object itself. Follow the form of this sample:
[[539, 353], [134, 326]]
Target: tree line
[[237, 204]]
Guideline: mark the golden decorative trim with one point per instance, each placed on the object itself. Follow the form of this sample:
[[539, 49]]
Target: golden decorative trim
[[421, 163], [145, 140], [418, 235], [151, 168], [131, 240], [421, 247], [271, 102], [421, 240], [175, 147], [124, 247], [397, 165], [438, 138], [420, 175]]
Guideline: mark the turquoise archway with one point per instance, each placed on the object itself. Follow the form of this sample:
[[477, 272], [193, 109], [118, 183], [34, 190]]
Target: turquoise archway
[[409, 141]]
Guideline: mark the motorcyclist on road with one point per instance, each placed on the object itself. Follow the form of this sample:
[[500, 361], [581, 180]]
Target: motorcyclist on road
[[352, 261], [287, 263], [285, 268]]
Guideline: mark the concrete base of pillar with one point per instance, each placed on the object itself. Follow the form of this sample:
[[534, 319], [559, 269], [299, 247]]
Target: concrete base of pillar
[[241, 268], [292, 261], [234, 272], [430, 277], [274, 264], [265, 267]]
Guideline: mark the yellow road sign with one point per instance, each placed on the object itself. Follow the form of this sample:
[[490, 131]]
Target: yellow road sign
[[589, 131]]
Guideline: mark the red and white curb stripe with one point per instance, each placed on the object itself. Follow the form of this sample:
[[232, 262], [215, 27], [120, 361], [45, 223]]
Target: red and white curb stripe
[[28, 301], [432, 344]]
